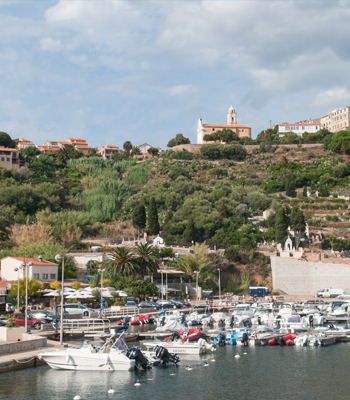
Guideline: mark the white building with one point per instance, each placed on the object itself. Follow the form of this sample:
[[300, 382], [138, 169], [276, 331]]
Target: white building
[[41, 270], [81, 259], [337, 120], [298, 128]]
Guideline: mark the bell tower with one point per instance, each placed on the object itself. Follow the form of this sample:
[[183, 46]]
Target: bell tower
[[231, 116]]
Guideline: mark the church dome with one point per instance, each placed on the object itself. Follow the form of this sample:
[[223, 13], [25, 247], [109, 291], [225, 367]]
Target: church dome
[[231, 110]]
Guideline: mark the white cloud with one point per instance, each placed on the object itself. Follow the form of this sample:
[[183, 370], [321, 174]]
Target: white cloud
[[181, 90]]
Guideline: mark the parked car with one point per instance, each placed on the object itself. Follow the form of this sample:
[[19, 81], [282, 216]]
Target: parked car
[[44, 315], [166, 304], [149, 304], [10, 307], [77, 309], [131, 304], [182, 303], [3, 323], [344, 296], [35, 323]]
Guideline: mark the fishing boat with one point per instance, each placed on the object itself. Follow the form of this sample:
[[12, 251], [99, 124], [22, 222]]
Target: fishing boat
[[112, 356]]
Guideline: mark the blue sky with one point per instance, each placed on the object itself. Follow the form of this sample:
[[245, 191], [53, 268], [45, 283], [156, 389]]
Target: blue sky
[[111, 71]]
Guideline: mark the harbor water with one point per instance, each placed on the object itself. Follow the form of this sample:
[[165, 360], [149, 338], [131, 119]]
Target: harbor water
[[273, 373]]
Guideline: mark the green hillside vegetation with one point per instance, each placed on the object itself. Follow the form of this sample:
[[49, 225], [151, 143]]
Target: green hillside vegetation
[[57, 199]]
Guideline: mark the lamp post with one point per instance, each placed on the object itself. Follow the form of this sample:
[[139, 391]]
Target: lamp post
[[219, 285], [197, 272], [166, 283], [101, 270], [59, 258], [26, 265], [316, 281], [17, 270]]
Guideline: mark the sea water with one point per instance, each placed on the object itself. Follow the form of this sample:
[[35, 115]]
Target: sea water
[[264, 373]]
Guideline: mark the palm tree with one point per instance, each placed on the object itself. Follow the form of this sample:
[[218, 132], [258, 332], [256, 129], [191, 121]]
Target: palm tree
[[122, 262], [127, 146], [148, 258]]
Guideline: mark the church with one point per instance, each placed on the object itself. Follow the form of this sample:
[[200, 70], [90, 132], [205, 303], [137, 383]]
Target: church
[[207, 129]]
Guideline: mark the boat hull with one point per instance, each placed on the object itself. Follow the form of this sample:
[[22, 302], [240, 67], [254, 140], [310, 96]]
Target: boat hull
[[177, 349], [88, 362]]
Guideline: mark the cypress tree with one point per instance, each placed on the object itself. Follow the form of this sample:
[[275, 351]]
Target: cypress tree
[[281, 225], [304, 191], [297, 222], [153, 223], [290, 189], [139, 218]]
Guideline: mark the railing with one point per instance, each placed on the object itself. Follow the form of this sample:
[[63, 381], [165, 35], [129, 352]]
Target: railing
[[87, 325], [122, 312]]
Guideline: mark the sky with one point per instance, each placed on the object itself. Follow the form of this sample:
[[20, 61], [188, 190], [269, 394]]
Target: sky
[[110, 71]]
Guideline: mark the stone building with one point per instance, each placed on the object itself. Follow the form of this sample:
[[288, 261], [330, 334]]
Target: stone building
[[208, 129]]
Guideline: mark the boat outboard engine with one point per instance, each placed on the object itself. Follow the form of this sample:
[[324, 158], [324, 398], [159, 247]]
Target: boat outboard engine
[[259, 320], [245, 339], [141, 361], [162, 321], [311, 321], [165, 357], [183, 319], [220, 339]]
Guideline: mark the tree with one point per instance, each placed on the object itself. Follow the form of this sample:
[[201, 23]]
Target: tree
[[340, 142], [290, 188], [211, 150], [76, 285], [147, 259], [179, 139], [139, 218], [190, 231], [153, 222], [153, 151], [123, 262], [135, 151], [297, 223], [33, 287], [6, 141], [281, 225], [68, 153], [28, 154], [127, 146], [304, 191]]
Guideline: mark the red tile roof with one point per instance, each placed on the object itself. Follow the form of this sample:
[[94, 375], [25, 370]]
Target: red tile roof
[[6, 149], [34, 260], [24, 140], [110, 146], [50, 148], [225, 126]]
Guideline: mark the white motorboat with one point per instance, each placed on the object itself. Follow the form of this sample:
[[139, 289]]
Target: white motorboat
[[180, 347], [110, 357]]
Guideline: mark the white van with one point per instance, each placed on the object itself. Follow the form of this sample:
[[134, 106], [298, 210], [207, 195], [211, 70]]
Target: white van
[[330, 292]]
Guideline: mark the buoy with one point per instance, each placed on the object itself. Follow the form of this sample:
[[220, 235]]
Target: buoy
[[206, 364], [189, 368], [237, 356], [245, 353], [137, 383], [77, 398], [213, 360], [172, 374], [150, 379], [111, 391]]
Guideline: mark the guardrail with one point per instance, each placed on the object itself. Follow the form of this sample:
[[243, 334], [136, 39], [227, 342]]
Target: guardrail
[[87, 325], [129, 311]]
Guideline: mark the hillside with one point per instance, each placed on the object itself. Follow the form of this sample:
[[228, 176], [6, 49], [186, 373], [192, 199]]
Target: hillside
[[53, 203]]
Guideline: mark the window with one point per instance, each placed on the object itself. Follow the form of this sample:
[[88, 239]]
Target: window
[[36, 276], [45, 276], [14, 154], [2, 158], [303, 128], [52, 276], [7, 158], [296, 128], [287, 128], [213, 129]]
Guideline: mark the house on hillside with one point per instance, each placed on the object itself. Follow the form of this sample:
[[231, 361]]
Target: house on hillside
[[42, 270], [9, 158], [22, 143], [108, 150], [208, 129], [298, 128]]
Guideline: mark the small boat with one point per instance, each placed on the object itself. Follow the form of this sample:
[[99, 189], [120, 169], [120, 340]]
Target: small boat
[[112, 356], [192, 335]]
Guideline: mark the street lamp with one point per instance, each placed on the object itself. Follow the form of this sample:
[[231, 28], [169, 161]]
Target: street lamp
[[59, 258], [219, 285], [24, 265], [102, 270], [166, 283], [162, 283], [197, 272], [17, 269]]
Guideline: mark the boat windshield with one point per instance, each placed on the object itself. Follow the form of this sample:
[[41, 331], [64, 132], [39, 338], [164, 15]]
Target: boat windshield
[[242, 308]]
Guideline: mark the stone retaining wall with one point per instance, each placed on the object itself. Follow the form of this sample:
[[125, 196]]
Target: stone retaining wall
[[25, 345], [296, 277]]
